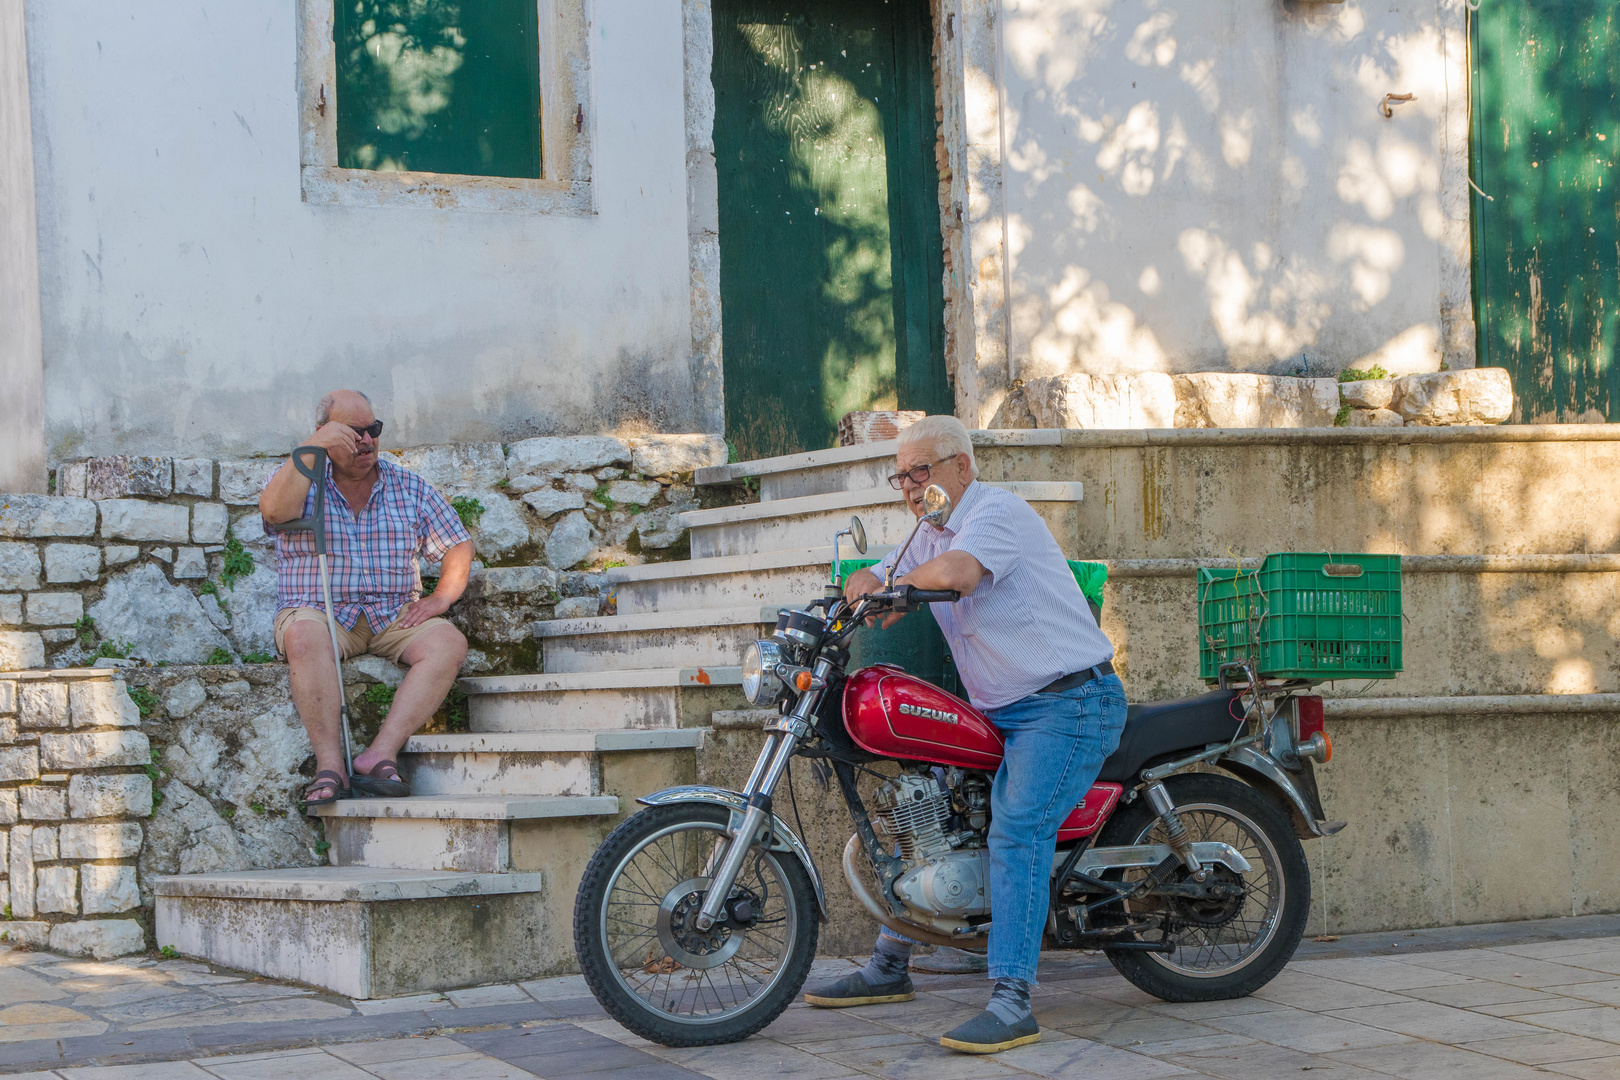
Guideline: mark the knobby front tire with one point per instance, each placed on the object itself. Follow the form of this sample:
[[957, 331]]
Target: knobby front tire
[[643, 958]]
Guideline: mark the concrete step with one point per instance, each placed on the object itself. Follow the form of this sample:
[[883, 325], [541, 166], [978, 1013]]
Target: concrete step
[[812, 520], [841, 468], [606, 700], [525, 763], [793, 577], [360, 931], [699, 637], [467, 833]]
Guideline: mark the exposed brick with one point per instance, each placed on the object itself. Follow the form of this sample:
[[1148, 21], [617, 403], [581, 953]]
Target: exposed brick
[[19, 763], [208, 523], [10, 609], [36, 516], [44, 842], [20, 651], [100, 938], [8, 697], [21, 866], [54, 608], [193, 476], [19, 566], [119, 475]]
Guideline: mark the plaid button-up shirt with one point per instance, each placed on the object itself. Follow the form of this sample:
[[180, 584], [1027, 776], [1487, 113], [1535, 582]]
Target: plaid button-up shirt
[[373, 555]]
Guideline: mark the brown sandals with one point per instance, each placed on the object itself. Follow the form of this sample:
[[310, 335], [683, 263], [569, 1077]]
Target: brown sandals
[[326, 780], [383, 782]]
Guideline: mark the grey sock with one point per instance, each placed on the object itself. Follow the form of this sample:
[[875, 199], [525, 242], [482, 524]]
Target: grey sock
[[1010, 1002], [889, 959]]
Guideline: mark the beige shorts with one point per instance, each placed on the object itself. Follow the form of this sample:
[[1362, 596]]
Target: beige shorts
[[389, 644]]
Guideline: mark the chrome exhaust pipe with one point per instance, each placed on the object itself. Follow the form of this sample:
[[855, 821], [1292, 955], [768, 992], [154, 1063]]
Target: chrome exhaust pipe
[[954, 939]]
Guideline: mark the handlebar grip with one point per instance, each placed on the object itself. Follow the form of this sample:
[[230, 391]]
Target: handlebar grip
[[934, 596]]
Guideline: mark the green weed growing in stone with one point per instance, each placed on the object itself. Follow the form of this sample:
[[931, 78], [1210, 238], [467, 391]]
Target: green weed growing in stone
[[258, 808], [229, 811], [169, 952], [600, 495], [8, 911], [208, 588], [455, 711], [221, 655], [113, 650], [1342, 417], [238, 563], [468, 509], [257, 657], [144, 700], [321, 848], [1355, 375], [85, 627], [379, 694]]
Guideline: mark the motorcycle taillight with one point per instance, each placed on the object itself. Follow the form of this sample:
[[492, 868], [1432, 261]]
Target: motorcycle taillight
[[1309, 712]]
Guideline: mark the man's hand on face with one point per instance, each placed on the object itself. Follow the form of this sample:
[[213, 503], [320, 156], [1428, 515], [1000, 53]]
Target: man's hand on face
[[338, 440], [420, 611]]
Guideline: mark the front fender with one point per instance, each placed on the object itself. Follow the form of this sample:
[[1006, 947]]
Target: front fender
[[782, 838], [1263, 772]]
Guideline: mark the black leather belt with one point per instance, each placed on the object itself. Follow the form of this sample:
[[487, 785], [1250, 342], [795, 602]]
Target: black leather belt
[[1079, 678]]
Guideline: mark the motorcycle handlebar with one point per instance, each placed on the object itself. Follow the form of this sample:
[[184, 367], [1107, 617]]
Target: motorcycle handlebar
[[907, 597]]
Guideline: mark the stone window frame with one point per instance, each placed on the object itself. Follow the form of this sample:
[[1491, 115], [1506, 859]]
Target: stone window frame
[[566, 115]]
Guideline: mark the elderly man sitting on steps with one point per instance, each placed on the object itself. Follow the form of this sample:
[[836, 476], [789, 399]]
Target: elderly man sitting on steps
[[379, 518]]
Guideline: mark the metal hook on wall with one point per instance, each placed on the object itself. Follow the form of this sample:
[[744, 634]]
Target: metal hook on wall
[[1397, 98]]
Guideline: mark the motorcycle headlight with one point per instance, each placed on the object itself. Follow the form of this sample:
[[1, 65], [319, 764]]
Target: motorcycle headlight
[[759, 682]]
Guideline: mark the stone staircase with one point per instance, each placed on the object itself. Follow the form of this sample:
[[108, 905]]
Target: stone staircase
[[472, 878]]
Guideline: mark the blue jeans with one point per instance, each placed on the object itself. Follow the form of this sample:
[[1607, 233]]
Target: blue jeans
[[1056, 744]]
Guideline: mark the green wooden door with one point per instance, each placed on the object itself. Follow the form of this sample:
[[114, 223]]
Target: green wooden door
[[1547, 243], [830, 259]]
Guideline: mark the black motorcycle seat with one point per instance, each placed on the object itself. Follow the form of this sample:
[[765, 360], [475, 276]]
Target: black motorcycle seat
[[1160, 729]]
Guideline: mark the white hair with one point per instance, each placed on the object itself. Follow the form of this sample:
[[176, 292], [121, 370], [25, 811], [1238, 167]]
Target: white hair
[[946, 435], [323, 409]]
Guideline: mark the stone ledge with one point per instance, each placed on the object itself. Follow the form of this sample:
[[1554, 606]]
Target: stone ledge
[[627, 679], [1475, 705], [558, 742], [472, 807], [353, 884]]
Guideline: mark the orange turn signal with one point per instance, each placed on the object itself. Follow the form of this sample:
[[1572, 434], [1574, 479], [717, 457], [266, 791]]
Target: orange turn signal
[[1328, 756], [802, 681]]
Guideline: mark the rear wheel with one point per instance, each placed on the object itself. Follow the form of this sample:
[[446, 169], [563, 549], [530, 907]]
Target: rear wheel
[[1228, 947], [642, 954]]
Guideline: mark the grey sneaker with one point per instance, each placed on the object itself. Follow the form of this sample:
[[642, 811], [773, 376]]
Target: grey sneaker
[[987, 1033], [853, 989]]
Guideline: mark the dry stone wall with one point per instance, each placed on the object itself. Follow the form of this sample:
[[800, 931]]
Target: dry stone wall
[[166, 559]]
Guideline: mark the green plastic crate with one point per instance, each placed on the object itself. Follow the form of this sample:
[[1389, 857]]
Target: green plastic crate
[[1316, 618]]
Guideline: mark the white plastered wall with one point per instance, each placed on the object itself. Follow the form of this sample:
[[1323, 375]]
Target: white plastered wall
[[194, 303], [1174, 186]]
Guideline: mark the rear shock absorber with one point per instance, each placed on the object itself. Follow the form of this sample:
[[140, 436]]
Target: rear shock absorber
[[1175, 832]]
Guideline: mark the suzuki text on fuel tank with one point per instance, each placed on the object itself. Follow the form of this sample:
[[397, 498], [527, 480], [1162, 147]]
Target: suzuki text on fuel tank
[[696, 920]]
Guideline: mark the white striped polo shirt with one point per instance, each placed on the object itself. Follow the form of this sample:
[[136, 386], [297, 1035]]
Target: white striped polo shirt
[[1027, 623]]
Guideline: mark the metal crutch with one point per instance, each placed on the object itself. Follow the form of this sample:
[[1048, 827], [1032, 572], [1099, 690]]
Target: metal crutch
[[316, 523]]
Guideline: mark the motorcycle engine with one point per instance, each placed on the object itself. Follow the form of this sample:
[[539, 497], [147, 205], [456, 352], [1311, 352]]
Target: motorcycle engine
[[913, 810]]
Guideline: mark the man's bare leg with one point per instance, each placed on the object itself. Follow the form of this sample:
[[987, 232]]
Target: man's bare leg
[[315, 691], [434, 657]]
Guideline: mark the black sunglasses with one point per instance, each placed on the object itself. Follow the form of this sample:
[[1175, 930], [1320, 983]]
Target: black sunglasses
[[373, 429], [919, 474]]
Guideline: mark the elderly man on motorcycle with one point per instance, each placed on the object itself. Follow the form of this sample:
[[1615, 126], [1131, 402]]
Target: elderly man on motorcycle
[[1031, 656]]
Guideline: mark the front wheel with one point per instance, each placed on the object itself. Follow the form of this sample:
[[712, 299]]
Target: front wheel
[[642, 954], [1231, 947]]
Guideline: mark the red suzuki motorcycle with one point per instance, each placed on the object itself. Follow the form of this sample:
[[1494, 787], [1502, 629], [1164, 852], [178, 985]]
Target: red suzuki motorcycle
[[696, 920]]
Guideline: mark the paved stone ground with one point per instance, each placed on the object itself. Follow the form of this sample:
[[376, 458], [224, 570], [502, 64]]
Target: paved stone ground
[[1500, 1002]]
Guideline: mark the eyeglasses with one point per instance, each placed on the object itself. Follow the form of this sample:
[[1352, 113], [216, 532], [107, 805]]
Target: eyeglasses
[[919, 474], [373, 429]]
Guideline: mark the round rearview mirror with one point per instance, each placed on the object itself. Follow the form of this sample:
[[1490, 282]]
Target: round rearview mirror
[[857, 534], [936, 505]]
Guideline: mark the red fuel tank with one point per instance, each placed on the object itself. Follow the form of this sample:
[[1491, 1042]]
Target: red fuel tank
[[891, 713]]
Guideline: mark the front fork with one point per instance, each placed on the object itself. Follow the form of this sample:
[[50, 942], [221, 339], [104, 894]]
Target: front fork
[[782, 741]]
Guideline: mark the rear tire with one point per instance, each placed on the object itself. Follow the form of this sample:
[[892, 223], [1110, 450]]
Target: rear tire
[[1213, 962], [718, 988]]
